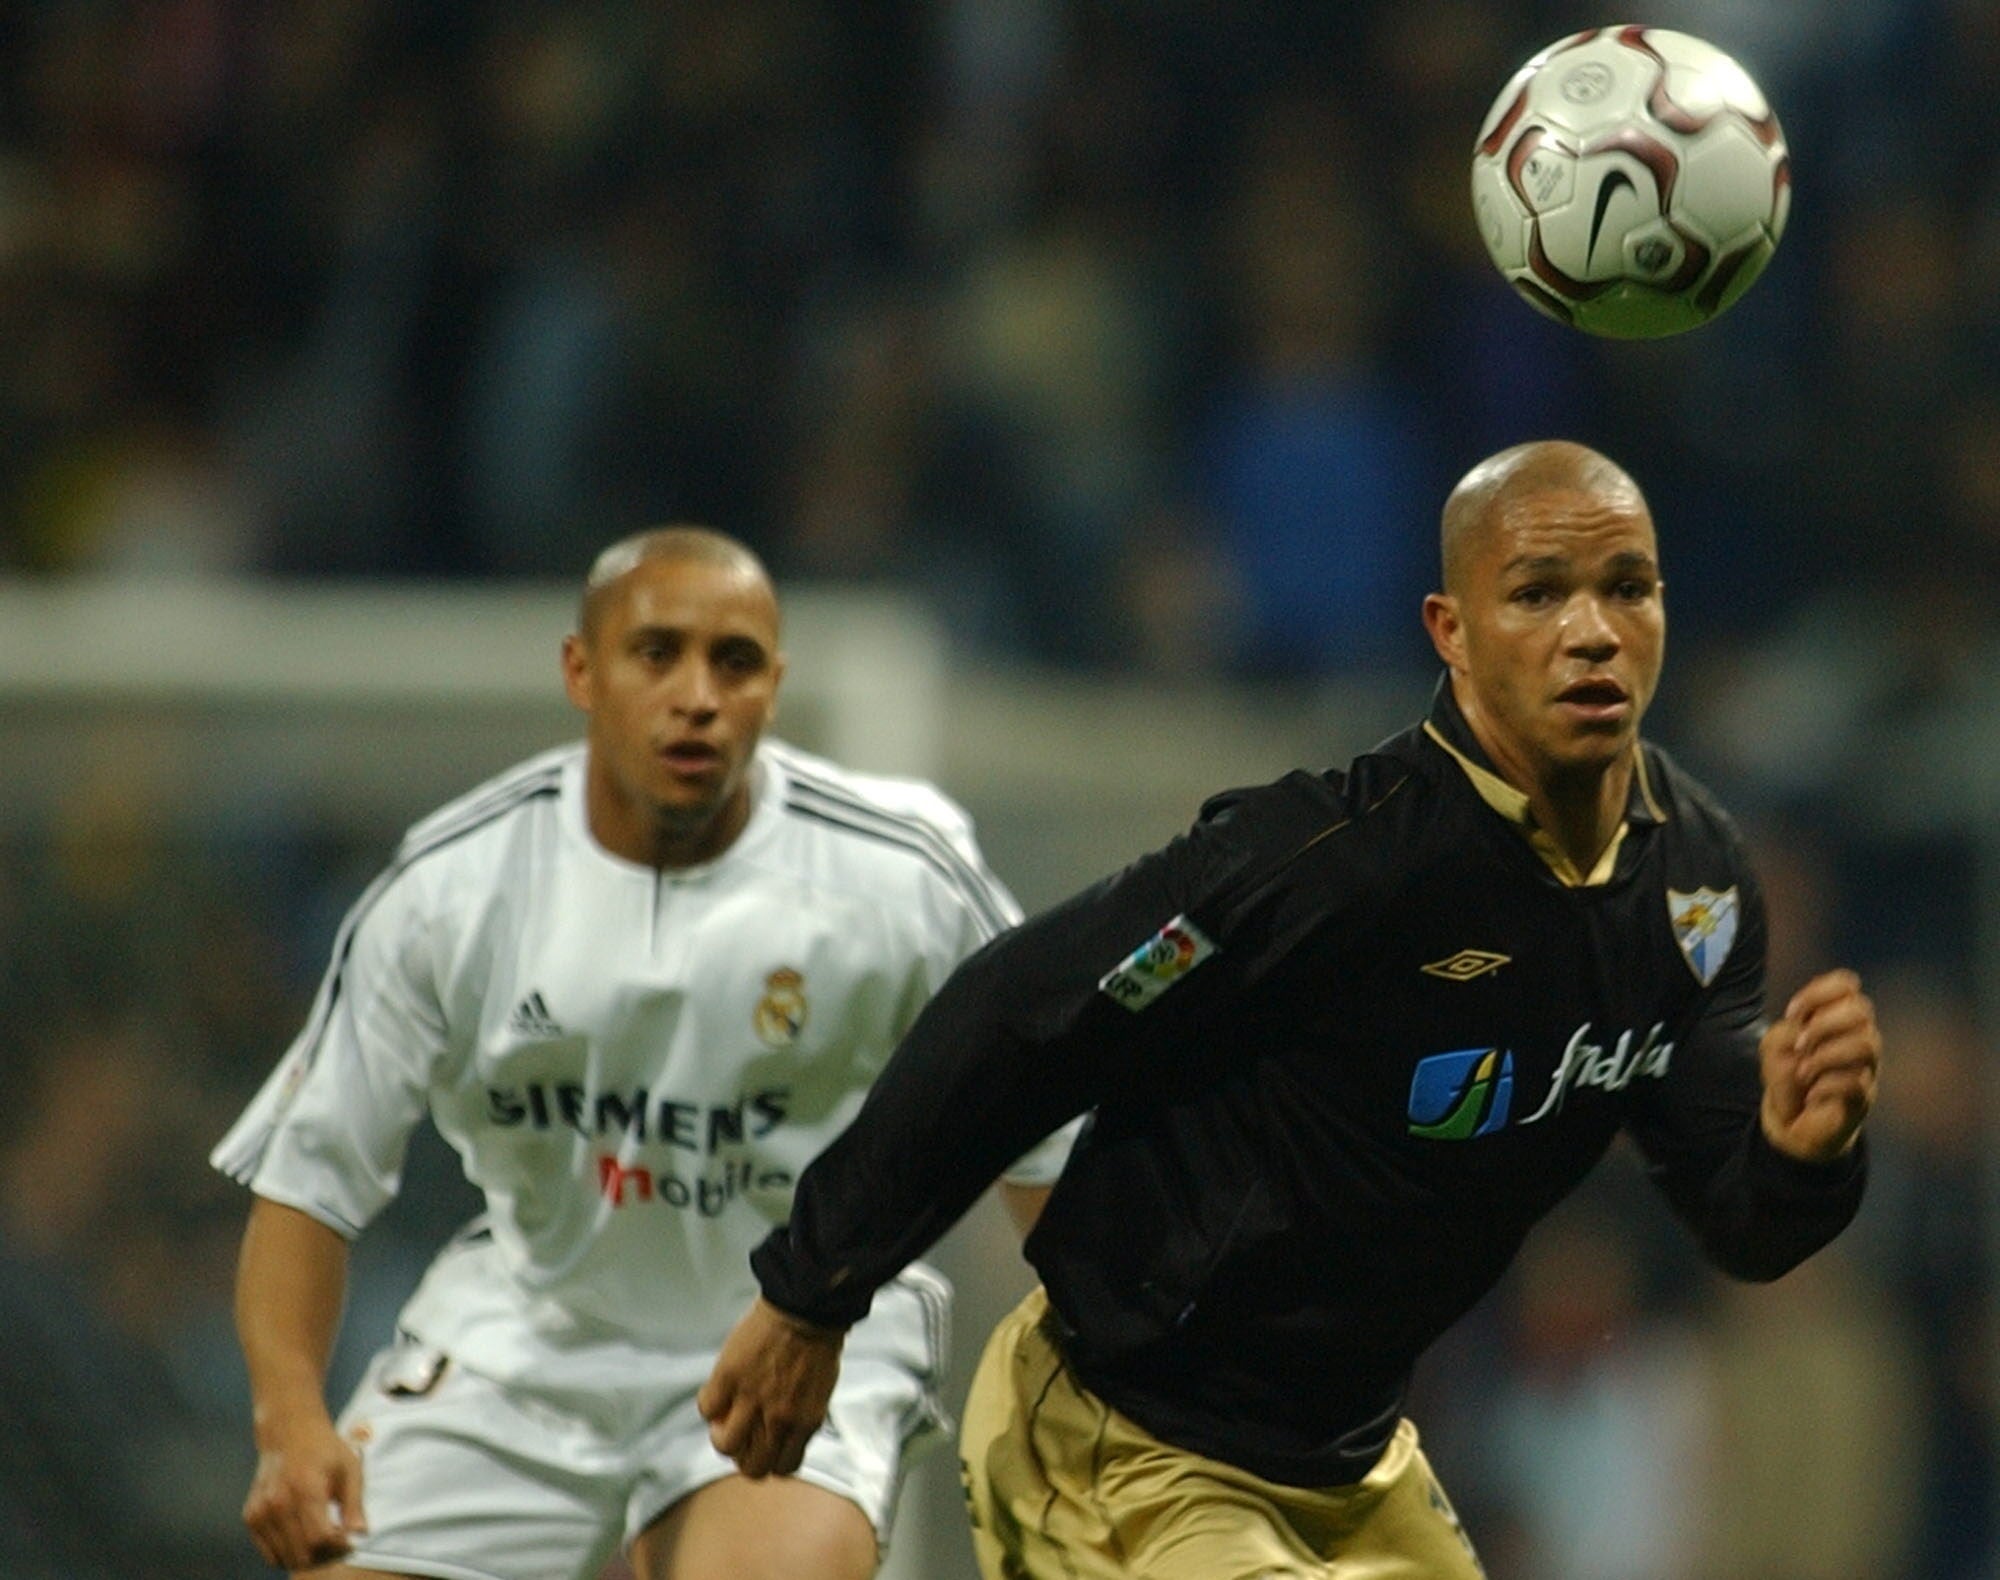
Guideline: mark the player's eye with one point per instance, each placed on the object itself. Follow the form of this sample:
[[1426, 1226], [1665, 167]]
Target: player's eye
[[739, 658], [1533, 595]]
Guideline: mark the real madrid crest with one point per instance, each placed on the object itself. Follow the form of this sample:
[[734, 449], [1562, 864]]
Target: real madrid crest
[[781, 1013], [1704, 926]]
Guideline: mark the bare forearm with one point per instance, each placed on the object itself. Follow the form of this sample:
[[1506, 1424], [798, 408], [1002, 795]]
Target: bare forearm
[[291, 1283]]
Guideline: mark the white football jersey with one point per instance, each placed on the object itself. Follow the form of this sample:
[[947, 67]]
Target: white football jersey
[[635, 1065]]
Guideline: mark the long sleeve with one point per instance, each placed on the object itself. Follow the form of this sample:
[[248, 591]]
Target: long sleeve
[[1029, 1032], [1756, 1212]]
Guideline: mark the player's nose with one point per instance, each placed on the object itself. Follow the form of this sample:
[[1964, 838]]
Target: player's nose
[[1588, 629], [692, 689]]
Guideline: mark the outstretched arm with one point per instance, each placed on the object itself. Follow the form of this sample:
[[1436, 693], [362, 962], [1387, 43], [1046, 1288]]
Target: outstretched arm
[[291, 1281], [992, 1064], [961, 1097], [1046, 1022]]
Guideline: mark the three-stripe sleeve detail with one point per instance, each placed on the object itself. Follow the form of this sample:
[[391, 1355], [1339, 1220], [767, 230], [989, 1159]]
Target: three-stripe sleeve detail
[[840, 808]]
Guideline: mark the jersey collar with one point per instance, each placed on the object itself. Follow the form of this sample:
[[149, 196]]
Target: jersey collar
[[1446, 726]]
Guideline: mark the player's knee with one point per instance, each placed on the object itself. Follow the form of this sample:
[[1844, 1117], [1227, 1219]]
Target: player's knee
[[776, 1528]]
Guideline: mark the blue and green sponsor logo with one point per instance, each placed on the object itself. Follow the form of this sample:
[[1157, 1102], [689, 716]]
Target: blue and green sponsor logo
[[1463, 1093]]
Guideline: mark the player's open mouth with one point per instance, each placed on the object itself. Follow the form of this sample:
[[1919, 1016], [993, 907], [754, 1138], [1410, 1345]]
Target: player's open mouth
[[1595, 699], [691, 757]]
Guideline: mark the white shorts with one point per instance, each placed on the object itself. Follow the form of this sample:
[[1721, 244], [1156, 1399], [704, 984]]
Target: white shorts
[[466, 1479]]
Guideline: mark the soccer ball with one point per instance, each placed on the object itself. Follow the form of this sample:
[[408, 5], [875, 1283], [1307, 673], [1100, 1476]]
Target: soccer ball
[[1631, 181]]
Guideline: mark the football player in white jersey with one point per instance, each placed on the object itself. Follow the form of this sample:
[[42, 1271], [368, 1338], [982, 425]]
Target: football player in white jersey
[[637, 983]]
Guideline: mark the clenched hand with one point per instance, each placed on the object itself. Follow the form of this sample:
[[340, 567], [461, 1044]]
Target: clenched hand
[[769, 1390], [1820, 1063]]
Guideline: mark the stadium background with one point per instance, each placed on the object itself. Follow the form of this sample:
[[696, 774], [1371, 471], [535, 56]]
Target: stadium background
[[1090, 373]]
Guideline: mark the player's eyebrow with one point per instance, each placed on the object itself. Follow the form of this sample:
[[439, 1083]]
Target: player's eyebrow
[[741, 642], [1625, 560], [1536, 564]]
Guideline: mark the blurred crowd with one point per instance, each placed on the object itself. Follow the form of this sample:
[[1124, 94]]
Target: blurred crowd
[[1138, 334], [1141, 337]]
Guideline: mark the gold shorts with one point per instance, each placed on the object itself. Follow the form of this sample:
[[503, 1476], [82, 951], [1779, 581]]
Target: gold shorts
[[1062, 1487]]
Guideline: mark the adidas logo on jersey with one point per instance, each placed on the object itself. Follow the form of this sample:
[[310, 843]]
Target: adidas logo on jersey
[[531, 1018]]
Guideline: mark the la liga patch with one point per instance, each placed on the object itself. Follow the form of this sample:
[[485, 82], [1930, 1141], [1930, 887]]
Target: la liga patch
[[1156, 965]]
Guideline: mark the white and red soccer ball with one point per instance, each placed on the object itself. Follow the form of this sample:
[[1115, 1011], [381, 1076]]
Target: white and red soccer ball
[[1631, 181]]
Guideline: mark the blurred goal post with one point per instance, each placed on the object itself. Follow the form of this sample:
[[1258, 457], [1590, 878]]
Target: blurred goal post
[[373, 703]]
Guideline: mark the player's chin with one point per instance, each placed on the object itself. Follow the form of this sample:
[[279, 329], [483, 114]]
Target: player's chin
[[692, 794], [687, 816], [1594, 745]]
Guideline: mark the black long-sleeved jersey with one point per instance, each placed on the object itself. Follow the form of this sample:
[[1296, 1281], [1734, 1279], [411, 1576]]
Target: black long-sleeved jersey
[[1343, 1043]]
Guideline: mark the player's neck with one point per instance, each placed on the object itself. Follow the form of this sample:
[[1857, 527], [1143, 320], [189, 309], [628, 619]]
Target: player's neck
[[1578, 806], [676, 844], [1581, 809], [666, 839]]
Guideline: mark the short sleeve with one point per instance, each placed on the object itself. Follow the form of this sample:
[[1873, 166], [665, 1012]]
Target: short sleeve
[[328, 1130]]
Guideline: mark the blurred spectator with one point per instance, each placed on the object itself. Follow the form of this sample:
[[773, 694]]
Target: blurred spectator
[[1493, 375], [106, 1469], [1312, 460], [360, 289], [329, 423], [1599, 1429], [895, 480], [1928, 1202], [1818, 1451], [1055, 340]]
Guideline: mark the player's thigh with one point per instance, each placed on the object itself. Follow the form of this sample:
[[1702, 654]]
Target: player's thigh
[[884, 1411], [465, 1479], [695, 1518], [1026, 1458], [1059, 1487], [1180, 1516], [779, 1528]]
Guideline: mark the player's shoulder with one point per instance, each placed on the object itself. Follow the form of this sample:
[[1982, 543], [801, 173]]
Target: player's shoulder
[[452, 866], [464, 826], [1305, 804], [891, 835], [1686, 805], [812, 784]]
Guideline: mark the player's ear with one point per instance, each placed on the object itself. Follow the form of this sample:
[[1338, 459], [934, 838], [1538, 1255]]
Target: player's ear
[[576, 671], [1446, 630]]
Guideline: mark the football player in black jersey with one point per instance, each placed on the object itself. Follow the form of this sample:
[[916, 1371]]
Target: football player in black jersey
[[1342, 1044]]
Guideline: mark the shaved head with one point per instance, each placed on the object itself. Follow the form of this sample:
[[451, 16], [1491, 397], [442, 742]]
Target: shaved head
[[1485, 494], [685, 544], [675, 664]]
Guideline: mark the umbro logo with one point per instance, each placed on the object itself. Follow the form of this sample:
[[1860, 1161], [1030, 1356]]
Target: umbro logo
[[531, 1018], [1467, 964]]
